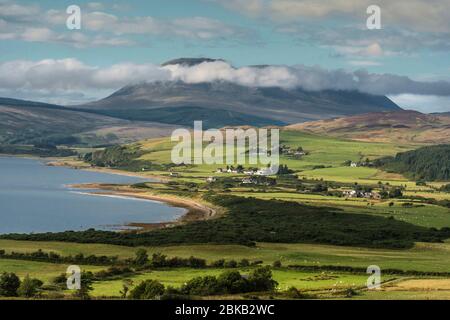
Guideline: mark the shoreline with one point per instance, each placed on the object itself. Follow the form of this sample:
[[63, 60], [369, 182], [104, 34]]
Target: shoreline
[[196, 210], [79, 165]]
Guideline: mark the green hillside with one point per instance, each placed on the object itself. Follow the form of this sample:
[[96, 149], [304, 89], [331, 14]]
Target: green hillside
[[427, 163]]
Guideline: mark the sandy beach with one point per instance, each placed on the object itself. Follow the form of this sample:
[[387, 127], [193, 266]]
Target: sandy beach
[[197, 210]]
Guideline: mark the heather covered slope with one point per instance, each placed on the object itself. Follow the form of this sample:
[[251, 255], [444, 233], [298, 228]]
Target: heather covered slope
[[399, 127]]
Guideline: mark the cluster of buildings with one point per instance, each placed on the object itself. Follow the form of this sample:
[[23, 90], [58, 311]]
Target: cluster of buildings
[[251, 172], [286, 150], [361, 194]]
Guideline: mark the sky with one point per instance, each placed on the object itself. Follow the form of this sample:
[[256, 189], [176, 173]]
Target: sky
[[312, 44]]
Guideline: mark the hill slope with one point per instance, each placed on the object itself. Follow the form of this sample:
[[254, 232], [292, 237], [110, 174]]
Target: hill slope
[[401, 126], [27, 122]]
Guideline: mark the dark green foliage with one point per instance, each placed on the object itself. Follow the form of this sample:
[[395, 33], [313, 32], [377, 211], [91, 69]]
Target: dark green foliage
[[112, 272], [53, 257], [261, 279], [87, 279], [277, 264], [141, 258], [201, 286], [147, 290], [231, 282], [40, 150], [427, 163], [123, 157], [29, 287], [9, 284], [252, 220]]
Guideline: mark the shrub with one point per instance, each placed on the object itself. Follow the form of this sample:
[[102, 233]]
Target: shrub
[[202, 286], [233, 282], [9, 284], [277, 264], [231, 264], [147, 290], [29, 287], [261, 279], [218, 263]]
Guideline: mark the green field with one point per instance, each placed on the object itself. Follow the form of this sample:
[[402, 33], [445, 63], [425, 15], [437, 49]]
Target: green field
[[422, 257], [286, 278], [43, 271]]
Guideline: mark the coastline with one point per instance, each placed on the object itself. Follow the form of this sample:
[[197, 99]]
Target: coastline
[[79, 165], [197, 210]]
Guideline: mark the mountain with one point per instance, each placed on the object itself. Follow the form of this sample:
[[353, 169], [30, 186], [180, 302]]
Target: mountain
[[223, 103], [27, 122], [399, 126], [259, 106]]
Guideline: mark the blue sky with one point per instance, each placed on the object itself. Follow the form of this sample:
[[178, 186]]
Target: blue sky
[[414, 42]]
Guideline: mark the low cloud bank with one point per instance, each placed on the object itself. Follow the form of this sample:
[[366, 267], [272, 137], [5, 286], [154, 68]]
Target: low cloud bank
[[71, 75]]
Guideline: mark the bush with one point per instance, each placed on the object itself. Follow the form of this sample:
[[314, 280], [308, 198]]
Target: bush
[[29, 287], [294, 293], [147, 290], [261, 279], [202, 286], [9, 284], [231, 264], [277, 264], [233, 282], [244, 263], [218, 263]]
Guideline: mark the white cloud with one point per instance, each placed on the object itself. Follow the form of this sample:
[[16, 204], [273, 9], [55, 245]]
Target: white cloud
[[96, 6], [364, 63], [419, 15], [71, 75], [32, 23]]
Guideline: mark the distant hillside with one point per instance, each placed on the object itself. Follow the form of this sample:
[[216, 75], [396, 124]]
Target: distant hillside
[[427, 163], [27, 122], [223, 103], [399, 126]]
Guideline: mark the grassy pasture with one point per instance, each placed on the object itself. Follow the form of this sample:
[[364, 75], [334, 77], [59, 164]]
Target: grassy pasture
[[422, 257], [40, 270], [285, 278]]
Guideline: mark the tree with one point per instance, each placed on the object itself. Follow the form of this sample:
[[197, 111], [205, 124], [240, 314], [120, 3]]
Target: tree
[[244, 263], [147, 290], [159, 260], [203, 286], [126, 285], [29, 287], [9, 284], [261, 279], [85, 286], [141, 258], [232, 282]]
